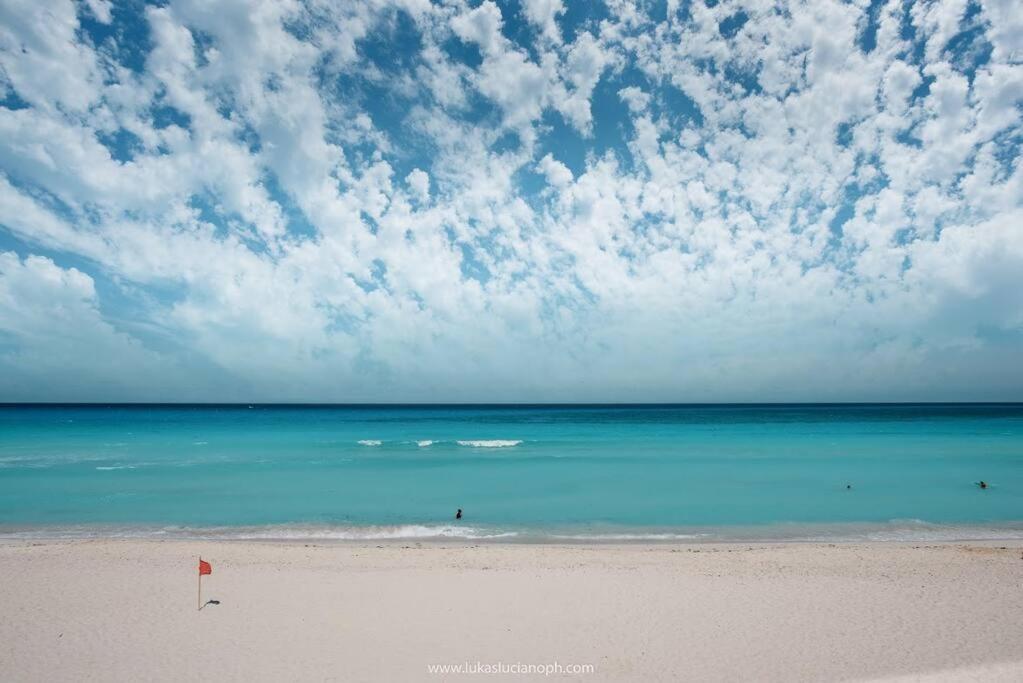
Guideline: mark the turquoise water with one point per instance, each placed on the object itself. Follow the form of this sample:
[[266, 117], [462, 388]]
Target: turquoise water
[[518, 472]]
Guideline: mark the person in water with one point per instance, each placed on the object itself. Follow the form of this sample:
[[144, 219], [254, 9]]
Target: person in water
[[458, 515], [982, 484]]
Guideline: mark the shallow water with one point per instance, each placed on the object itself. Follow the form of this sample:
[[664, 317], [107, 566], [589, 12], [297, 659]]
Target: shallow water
[[567, 472]]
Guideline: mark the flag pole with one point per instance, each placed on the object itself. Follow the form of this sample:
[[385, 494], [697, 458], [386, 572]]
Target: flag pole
[[198, 595]]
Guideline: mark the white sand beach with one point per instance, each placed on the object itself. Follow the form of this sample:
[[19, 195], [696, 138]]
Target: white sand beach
[[126, 610]]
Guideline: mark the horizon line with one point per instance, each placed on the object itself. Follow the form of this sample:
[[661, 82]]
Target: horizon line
[[652, 404]]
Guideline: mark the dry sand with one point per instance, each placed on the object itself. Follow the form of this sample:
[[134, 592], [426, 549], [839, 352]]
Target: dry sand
[[126, 610]]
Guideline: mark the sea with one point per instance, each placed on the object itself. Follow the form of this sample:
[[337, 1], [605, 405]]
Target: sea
[[519, 473]]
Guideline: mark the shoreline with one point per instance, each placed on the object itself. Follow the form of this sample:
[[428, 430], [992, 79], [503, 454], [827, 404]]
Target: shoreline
[[501, 545], [457, 543], [895, 531], [587, 547], [126, 608]]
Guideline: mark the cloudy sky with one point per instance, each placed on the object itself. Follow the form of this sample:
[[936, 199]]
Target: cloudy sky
[[284, 200]]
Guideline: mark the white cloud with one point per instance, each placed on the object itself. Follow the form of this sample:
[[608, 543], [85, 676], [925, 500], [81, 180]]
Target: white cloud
[[517, 85], [637, 100], [543, 15], [101, 10], [899, 82], [481, 26], [42, 58], [584, 64], [1006, 29], [419, 182], [556, 172], [53, 331]]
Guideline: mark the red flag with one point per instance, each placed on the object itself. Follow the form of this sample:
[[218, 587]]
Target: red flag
[[205, 568]]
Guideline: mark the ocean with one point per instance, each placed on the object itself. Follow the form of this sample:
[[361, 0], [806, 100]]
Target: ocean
[[519, 473]]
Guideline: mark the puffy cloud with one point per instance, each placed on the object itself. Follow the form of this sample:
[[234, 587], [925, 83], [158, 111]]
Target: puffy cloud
[[637, 100], [419, 182], [584, 63], [1006, 29], [53, 331], [101, 10], [557, 173], [42, 58], [900, 81], [518, 86], [481, 26], [543, 14]]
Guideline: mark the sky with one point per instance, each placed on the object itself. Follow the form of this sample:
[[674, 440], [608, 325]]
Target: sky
[[415, 201]]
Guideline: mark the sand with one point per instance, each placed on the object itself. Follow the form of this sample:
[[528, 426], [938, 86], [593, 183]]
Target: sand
[[113, 610]]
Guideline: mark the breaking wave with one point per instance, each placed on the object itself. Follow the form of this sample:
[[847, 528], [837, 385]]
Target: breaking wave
[[490, 443], [895, 531], [373, 533], [370, 442], [610, 537], [283, 532]]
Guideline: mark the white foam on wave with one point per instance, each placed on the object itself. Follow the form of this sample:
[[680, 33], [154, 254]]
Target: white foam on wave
[[424, 443], [78, 532], [453, 532], [370, 442], [117, 467], [367, 533], [627, 537], [490, 443], [915, 530], [266, 533]]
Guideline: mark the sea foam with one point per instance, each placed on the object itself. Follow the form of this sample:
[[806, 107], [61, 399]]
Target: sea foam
[[287, 532], [840, 533], [370, 442], [374, 533], [491, 443]]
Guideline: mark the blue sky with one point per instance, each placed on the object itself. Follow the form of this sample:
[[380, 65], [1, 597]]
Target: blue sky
[[539, 201]]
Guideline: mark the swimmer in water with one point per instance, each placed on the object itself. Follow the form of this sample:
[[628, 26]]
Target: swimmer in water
[[458, 515], [982, 484]]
